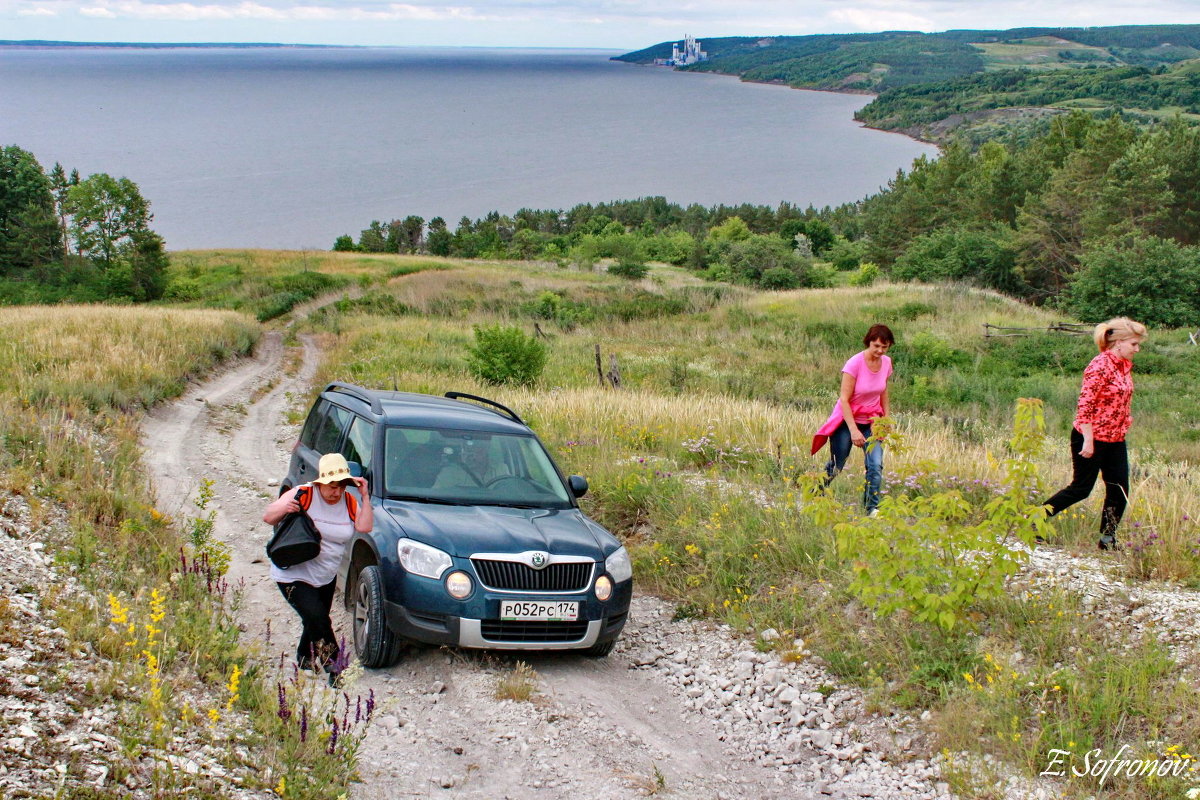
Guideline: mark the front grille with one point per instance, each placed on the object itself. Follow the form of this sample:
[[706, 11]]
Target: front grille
[[511, 576], [495, 630]]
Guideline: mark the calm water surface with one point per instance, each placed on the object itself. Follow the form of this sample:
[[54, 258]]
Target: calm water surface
[[290, 148]]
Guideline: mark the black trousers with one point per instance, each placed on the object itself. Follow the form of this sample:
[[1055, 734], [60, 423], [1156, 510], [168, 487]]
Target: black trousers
[[1111, 460], [318, 644]]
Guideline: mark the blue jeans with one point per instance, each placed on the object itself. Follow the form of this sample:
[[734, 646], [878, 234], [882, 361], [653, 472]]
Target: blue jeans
[[839, 451]]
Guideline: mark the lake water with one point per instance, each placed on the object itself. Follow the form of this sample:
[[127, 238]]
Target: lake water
[[285, 148]]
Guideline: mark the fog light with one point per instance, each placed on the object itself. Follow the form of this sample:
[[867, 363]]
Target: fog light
[[603, 588], [458, 584]]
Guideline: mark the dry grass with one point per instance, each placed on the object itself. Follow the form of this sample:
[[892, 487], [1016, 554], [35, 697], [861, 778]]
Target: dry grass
[[518, 684], [111, 356]]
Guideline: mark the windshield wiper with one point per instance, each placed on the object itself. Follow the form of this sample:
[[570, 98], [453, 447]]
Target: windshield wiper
[[413, 498]]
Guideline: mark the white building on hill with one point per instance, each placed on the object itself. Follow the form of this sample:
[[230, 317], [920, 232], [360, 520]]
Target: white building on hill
[[684, 53]]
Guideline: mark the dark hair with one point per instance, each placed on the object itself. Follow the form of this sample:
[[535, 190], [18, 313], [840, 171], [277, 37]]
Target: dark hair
[[880, 333]]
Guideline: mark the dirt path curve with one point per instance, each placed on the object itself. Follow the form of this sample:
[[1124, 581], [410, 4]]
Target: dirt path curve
[[596, 728]]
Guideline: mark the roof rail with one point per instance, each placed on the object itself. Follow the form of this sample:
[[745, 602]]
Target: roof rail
[[464, 396], [356, 392]]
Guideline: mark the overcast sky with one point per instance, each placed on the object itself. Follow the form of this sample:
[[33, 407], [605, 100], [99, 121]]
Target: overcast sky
[[618, 24]]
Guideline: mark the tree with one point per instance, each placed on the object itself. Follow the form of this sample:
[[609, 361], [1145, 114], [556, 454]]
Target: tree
[[440, 238], [29, 231], [373, 238], [146, 256], [110, 222], [1138, 275], [106, 214], [412, 229], [344, 244], [60, 185]]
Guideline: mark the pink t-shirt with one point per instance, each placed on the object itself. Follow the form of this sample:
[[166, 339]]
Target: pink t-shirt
[[867, 399]]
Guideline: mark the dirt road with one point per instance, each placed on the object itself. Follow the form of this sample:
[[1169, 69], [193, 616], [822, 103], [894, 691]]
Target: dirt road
[[680, 708]]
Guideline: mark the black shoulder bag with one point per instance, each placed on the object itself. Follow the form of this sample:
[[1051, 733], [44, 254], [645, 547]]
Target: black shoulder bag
[[296, 539]]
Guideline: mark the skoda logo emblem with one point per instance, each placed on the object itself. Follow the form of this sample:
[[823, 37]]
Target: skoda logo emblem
[[538, 560]]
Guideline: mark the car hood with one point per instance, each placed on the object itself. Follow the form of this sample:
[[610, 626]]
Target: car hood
[[465, 530]]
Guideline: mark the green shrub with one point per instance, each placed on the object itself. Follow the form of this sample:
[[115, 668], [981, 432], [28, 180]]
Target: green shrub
[[867, 274], [631, 270], [845, 255], [1152, 280], [503, 354], [986, 258], [779, 278], [936, 556], [926, 350]]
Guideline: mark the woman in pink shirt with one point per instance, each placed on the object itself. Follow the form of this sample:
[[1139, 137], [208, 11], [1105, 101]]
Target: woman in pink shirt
[[1101, 420], [863, 398]]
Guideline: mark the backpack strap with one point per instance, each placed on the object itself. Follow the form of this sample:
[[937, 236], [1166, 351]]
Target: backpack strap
[[304, 496], [351, 507]]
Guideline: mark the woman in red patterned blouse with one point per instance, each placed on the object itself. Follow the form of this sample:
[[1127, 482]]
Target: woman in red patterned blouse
[[1101, 421]]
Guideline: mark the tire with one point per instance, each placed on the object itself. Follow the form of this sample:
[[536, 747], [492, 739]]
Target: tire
[[601, 649], [374, 642]]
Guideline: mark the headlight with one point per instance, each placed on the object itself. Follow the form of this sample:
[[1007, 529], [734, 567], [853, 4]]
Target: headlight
[[618, 566], [603, 588], [458, 584], [421, 559]]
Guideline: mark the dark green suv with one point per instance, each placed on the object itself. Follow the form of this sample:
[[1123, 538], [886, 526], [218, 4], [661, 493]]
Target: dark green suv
[[478, 541]]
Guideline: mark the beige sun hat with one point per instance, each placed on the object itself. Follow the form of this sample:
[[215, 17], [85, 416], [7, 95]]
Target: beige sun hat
[[333, 468]]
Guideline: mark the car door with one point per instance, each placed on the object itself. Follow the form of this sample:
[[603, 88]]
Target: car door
[[359, 445], [323, 433]]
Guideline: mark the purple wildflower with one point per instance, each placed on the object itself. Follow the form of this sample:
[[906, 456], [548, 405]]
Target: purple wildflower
[[285, 713], [303, 723]]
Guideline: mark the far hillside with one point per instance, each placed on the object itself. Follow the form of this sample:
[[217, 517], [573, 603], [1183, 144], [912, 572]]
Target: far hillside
[[1140, 68]]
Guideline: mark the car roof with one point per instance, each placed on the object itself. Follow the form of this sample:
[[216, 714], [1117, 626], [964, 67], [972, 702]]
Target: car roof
[[425, 410]]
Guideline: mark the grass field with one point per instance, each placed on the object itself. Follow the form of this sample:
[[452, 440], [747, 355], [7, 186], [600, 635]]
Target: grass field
[[697, 462], [1042, 52]]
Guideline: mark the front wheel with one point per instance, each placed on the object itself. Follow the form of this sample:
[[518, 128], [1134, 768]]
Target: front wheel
[[601, 649], [374, 642]]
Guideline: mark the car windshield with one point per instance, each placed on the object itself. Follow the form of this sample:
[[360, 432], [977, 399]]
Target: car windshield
[[472, 468]]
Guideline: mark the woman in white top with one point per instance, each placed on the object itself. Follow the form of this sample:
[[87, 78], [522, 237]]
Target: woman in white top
[[309, 587]]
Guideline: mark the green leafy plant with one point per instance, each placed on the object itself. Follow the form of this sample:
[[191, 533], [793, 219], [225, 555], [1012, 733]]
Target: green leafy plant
[[503, 354], [936, 556]]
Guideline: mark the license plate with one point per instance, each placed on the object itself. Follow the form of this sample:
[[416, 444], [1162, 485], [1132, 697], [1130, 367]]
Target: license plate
[[543, 610]]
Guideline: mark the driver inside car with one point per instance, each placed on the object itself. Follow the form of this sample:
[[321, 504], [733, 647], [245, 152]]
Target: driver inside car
[[470, 465]]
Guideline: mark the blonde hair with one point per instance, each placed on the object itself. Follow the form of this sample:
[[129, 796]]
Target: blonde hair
[[1116, 330]]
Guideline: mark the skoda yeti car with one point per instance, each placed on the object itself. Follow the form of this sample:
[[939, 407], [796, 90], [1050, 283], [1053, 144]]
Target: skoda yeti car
[[478, 540]]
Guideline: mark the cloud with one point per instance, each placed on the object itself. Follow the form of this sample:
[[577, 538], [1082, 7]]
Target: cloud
[[875, 19], [38, 11], [250, 10]]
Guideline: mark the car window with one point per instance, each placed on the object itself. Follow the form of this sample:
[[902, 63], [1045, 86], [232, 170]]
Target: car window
[[330, 433], [309, 435], [360, 443], [471, 467]]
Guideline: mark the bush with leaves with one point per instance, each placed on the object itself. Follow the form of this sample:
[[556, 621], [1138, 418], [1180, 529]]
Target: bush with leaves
[[1150, 279], [866, 274], [779, 278], [936, 556], [630, 270], [503, 354]]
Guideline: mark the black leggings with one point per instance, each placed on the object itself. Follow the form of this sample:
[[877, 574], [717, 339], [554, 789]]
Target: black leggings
[[318, 644], [1110, 459]]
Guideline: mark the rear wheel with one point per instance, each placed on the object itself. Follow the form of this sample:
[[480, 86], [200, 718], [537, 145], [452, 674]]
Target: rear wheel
[[374, 642]]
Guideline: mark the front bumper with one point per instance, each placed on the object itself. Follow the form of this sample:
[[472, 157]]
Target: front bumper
[[444, 621]]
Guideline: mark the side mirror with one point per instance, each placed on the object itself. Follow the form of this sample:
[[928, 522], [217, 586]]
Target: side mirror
[[578, 484]]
